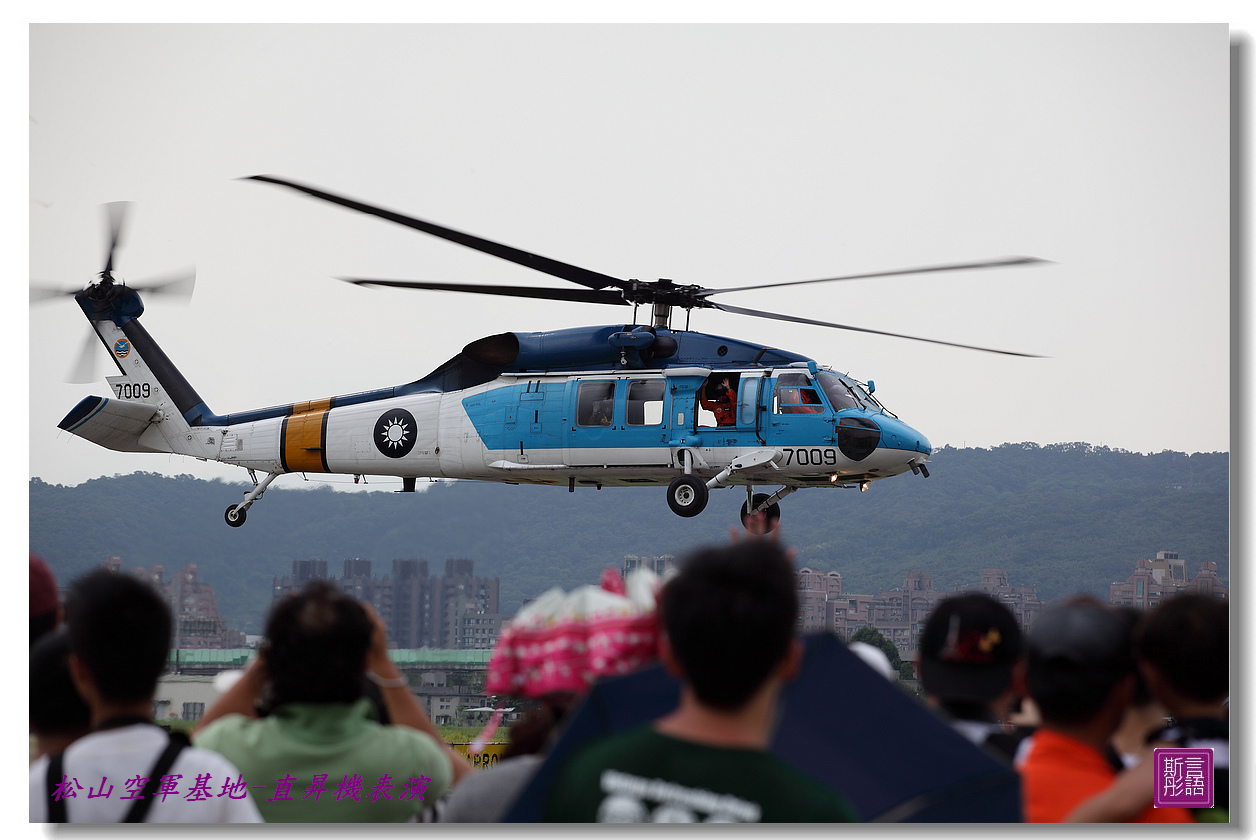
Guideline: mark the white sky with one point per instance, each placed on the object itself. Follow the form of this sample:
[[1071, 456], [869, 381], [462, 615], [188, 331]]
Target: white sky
[[722, 155]]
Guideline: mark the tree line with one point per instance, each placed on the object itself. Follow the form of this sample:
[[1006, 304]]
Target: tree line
[[1063, 518]]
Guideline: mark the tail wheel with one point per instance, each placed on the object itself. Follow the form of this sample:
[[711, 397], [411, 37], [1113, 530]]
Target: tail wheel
[[235, 518], [687, 495], [773, 511]]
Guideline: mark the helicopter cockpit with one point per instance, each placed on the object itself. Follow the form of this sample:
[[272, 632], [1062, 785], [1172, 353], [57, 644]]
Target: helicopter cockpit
[[730, 398], [844, 392]]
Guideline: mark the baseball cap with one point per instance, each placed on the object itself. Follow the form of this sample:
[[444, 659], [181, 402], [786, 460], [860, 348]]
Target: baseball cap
[[968, 648]]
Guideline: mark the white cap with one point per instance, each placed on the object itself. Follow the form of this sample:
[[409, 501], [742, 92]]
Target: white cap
[[875, 658]]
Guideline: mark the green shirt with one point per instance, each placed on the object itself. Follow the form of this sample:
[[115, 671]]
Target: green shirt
[[330, 762], [644, 776]]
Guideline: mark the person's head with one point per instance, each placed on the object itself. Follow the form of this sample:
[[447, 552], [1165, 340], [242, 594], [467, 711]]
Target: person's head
[[531, 734], [729, 620], [45, 607], [1078, 661], [1183, 646], [316, 646], [57, 710], [968, 650], [119, 631]]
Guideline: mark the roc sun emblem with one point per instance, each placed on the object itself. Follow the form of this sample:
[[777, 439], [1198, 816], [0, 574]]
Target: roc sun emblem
[[121, 348], [395, 433]]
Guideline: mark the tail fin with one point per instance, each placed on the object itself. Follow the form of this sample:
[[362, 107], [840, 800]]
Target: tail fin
[[153, 408]]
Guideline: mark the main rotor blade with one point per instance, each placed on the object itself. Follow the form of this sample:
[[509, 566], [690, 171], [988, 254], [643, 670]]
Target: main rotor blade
[[582, 296], [115, 215], [178, 283], [761, 314], [39, 294], [994, 263], [575, 274]]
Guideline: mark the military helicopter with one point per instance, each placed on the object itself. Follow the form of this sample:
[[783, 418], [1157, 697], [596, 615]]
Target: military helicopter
[[627, 404]]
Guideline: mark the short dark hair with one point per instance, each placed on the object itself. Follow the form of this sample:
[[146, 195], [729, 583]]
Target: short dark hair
[[316, 645], [1076, 655], [729, 616], [1187, 639], [119, 628], [56, 706]]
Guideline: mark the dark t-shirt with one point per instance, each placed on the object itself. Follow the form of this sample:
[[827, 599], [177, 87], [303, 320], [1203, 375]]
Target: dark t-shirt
[[644, 776]]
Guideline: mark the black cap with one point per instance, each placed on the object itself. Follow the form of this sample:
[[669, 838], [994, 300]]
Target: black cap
[[1085, 634], [968, 648]]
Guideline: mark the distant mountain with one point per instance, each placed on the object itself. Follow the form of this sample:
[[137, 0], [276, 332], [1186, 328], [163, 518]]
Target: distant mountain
[[1064, 518]]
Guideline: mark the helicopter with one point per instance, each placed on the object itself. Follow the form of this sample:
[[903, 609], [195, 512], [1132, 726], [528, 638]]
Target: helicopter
[[626, 404]]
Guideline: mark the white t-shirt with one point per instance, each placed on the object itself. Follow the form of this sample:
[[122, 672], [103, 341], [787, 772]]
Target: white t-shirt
[[98, 767]]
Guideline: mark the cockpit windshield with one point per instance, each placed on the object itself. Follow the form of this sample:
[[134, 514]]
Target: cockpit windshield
[[845, 393]]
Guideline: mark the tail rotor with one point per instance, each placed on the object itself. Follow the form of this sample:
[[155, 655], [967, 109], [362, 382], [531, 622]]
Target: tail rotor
[[177, 285]]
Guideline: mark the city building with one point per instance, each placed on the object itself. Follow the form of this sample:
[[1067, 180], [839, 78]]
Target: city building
[[815, 590], [198, 623], [1163, 577], [1021, 600], [658, 565], [183, 697], [185, 694], [900, 613], [456, 611]]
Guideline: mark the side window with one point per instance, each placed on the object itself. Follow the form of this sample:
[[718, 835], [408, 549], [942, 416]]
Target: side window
[[645, 402], [795, 395], [595, 403]]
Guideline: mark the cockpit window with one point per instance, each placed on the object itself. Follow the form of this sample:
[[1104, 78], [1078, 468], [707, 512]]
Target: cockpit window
[[796, 395], [843, 393]]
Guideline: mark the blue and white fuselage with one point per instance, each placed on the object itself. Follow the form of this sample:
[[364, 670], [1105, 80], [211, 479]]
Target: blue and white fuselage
[[617, 405]]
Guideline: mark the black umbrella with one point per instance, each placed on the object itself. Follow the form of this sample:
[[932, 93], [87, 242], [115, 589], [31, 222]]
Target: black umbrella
[[845, 724]]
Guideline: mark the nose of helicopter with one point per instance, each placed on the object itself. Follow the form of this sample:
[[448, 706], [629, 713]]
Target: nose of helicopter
[[895, 434]]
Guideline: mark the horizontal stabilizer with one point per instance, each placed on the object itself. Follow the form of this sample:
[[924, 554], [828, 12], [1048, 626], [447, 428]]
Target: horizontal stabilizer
[[113, 424]]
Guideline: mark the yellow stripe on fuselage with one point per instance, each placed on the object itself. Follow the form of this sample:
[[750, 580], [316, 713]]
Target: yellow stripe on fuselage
[[303, 441]]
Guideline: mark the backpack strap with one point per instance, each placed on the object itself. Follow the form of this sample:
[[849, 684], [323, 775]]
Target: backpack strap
[[56, 804], [139, 808]]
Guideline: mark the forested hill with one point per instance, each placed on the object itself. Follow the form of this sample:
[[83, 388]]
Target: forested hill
[[1064, 518]]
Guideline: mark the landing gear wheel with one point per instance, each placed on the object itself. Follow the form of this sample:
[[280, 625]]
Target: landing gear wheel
[[687, 495], [773, 512], [235, 518]]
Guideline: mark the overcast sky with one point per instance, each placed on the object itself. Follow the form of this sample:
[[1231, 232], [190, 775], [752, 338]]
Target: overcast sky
[[721, 155]]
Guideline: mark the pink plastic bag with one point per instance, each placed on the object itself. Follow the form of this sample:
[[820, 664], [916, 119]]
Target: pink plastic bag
[[561, 643]]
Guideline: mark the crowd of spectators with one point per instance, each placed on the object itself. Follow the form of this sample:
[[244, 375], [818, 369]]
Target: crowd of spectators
[[118, 632], [322, 726]]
